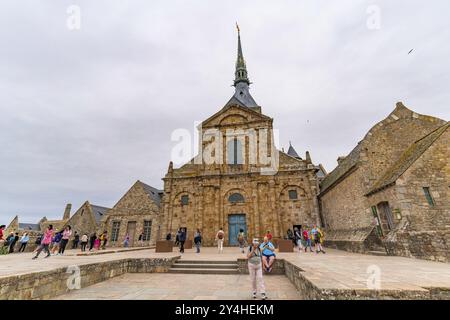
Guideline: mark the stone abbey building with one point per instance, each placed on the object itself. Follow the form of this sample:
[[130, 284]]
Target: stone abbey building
[[390, 194]]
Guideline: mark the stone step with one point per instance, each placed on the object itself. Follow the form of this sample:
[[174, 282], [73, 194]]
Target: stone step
[[203, 271], [378, 253], [205, 265], [206, 262]]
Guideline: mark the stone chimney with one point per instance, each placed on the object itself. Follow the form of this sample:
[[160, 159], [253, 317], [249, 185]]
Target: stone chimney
[[67, 212]]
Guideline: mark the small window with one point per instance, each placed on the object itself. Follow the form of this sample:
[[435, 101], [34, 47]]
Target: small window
[[293, 195], [430, 199], [115, 231], [236, 197], [184, 200], [147, 230], [82, 212]]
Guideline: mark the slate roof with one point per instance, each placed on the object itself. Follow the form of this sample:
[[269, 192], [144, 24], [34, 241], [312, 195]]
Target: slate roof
[[99, 212], [155, 194], [30, 226], [292, 152], [342, 169], [407, 159]]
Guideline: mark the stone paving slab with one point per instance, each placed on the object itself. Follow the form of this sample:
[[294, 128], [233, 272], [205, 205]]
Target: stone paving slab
[[157, 286]]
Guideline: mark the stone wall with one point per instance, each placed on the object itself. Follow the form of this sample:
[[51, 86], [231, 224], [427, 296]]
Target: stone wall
[[277, 267], [49, 284]]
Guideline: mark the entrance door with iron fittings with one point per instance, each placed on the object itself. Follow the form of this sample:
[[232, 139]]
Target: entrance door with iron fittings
[[131, 231], [235, 223]]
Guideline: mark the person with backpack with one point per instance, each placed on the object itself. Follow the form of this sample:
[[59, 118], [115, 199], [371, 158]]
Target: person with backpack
[[197, 240], [220, 237], [23, 242], [307, 239], [241, 240], [84, 242], [254, 257], [182, 239], [45, 243], [317, 234]]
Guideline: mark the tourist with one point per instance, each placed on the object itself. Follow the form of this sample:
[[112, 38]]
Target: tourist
[[9, 239], [56, 242], [141, 239], [46, 240], [242, 240], [104, 239], [182, 239], [97, 243], [269, 235], [2, 227], [84, 241], [169, 237], [23, 242], [317, 234], [92, 241], [255, 269], [126, 242], [198, 240], [220, 237], [177, 237], [298, 239], [290, 235], [13, 241], [307, 239], [76, 240], [67, 233], [268, 253]]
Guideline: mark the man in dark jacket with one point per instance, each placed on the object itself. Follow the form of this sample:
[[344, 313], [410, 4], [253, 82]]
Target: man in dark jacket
[[13, 242], [182, 239]]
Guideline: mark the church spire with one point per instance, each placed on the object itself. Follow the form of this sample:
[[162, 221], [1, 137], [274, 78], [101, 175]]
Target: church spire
[[240, 74]]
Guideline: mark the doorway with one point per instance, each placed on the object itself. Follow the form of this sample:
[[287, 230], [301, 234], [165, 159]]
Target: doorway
[[131, 231], [387, 221], [235, 223]]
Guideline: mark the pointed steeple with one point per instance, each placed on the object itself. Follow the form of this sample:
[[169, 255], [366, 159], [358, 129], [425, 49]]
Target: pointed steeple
[[240, 75], [241, 81], [292, 152]]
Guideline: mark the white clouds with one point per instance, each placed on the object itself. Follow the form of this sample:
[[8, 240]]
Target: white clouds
[[86, 113]]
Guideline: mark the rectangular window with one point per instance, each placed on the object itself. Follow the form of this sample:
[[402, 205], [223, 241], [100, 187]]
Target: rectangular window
[[147, 230], [115, 231], [430, 199], [185, 200], [293, 194]]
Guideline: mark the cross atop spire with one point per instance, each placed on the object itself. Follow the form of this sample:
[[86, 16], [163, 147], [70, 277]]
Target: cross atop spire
[[240, 74]]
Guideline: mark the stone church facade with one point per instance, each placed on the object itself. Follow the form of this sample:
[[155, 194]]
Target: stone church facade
[[239, 179]]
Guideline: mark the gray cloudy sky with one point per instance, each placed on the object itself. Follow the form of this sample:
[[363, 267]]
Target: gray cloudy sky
[[85, 113]]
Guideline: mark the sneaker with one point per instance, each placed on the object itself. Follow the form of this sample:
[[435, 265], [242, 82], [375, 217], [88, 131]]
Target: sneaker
[[263, 296], [323, 252], [34, 258], [254, 295]]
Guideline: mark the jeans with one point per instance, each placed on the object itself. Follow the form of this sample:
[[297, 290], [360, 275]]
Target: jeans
[[181, 246], [23, 245], [256, 277], [220, 245], [197, 246], [83, 246], [43, 247], [62, 246]]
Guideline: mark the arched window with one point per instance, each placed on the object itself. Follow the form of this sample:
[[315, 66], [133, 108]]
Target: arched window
[[235, 152], [236, 198]]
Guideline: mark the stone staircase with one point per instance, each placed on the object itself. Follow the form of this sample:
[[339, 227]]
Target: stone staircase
[[204, 267]]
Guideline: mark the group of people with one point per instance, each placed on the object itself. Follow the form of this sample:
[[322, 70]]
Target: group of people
[[305, 238], [8, 244]]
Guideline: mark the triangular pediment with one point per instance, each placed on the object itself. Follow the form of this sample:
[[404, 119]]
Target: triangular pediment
[[234, 114]]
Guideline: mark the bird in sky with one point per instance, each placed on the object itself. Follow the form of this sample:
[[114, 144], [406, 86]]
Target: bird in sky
[[410, 51]]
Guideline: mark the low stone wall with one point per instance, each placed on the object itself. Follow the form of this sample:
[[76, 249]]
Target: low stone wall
[[278, 267], [48, 284]]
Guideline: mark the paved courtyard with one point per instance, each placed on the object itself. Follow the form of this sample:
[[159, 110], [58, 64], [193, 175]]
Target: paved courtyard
[[157, 286], [333, 270]]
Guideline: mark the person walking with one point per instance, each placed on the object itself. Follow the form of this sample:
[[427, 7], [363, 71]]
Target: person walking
[[177, 237], [126, 242], [13, 241], [255, 269], [23, 242], [84, 242], [92, 241], [317, 234], [3, 248], [67, 233], [298, 239], [56, 242], [269, 235], [76, 240], [182, 239], [197, 240], [242, 240], [307, 239], [220, 237], [141, 239], [45, 242], [104, 239]]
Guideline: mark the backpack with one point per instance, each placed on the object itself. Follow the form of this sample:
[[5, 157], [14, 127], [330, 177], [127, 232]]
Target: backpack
[[220, 235]]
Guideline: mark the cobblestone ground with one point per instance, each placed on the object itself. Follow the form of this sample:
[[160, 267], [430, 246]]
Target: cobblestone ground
[[157, 286]]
